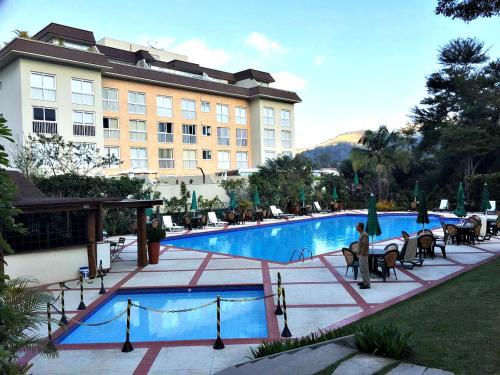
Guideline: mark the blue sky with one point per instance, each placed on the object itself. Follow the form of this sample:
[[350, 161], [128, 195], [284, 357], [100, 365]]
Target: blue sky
[[355, 63]]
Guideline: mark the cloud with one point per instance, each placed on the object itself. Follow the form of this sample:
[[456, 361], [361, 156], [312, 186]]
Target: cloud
[[289, 81], [263, 44], [196, 50], [320, 60]]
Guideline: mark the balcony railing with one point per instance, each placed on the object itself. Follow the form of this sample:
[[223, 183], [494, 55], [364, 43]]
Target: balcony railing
[[165, 137], [43, 94], [187, 138], [189, 115], [85, 130], [166, 163], [45, 127]]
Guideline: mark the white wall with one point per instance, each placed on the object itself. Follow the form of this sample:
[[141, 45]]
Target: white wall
[[208, 191], [49, 266]]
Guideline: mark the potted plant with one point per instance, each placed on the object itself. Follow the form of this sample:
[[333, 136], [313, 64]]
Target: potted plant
[[154, 235]]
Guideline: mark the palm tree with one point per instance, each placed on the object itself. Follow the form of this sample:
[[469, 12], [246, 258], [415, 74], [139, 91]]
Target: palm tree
[[21, 33], [21, 302]]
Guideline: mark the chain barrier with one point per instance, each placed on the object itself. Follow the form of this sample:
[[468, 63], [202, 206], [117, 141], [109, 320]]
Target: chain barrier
[[161, 311], [90, 324], [250, 299]]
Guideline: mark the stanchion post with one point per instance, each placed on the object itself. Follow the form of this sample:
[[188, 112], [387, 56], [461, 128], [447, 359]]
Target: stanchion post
[[50, 344], [81, 306], [102, 291], [286, 332], [278, 310], [64, 319], [218, 344], [127, 345]]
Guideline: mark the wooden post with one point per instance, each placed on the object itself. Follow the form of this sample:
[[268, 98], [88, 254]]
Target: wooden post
[[142, 254], [91, 244], [99, 222]]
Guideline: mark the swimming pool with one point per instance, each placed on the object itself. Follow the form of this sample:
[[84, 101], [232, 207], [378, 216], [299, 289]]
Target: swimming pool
[[319, 235], [238, 319]]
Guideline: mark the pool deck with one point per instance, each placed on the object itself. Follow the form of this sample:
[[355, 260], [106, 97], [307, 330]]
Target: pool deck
[[318, 296]]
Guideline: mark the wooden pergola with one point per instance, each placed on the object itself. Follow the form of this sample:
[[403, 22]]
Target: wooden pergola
[[30, 200]]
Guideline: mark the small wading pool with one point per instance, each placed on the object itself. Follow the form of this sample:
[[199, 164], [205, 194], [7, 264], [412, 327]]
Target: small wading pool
[[238, 319], [276, 242]]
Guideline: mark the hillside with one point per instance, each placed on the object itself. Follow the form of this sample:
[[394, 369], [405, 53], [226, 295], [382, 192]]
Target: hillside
[[328, 153]]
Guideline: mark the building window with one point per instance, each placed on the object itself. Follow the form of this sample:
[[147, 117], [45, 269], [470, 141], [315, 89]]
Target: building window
[[189, 159], [136, 103], [241, 137], [222, 113], [164, 106], [111, 129], [109, 99], [165, 132], [137, 131], [223, 160], [223, 136], [188, 108], [138, 157], [189, 134], [207, 155], [285, 117], [287, 153], [269, 155], [166, 158], [83, 123], [206, 131], [43, 86], [269, 137], [286, 139], [112, 152], [82, 91], [241, 115], [205, 106], [44, 120], [268, 116], [241, 160]]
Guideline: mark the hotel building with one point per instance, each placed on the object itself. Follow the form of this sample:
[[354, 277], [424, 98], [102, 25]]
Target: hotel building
[[153, 109]]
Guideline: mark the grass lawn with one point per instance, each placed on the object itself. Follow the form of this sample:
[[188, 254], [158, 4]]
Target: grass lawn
[[456, 325]]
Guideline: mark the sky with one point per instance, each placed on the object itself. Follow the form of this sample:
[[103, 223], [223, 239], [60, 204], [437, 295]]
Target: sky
[[356, 64]]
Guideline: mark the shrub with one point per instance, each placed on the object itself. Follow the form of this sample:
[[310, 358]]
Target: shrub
[[386, 341], [155, 234], [387, 205]]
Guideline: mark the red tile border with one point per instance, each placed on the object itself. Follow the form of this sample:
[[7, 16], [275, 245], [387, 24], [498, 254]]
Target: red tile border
[[272, 321], [201, 269], [147, 360]]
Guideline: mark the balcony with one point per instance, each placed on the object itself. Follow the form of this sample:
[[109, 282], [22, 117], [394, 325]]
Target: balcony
[[187, 138], [167, 138], [84, 130], [45, 127]]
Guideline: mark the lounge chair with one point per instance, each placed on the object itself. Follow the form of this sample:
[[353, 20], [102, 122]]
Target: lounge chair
[[352, 261], [407, 257], [318, 209], [388, 261], [493, 208], [116, 250], [214, 221], [443, 205], [278, 214], [169, 225], [484, 229]]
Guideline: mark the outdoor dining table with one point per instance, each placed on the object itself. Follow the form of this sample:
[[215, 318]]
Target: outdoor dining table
[[197, 221], [258, 215], [465, 232], [374, 254]]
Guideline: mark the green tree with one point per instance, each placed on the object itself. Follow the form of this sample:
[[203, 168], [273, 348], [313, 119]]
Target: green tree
[[468, 10]]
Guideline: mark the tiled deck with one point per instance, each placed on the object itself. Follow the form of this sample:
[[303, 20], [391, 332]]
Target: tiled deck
[[319, 296]]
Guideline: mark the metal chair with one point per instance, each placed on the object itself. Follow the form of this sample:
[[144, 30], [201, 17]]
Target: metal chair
[[116, 250]]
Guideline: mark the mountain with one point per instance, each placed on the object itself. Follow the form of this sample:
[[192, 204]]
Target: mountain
[[330, 152]]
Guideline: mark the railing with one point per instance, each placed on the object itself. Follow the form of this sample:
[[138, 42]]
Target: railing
[[85, 130], [301, 254], [80, 98], [109, 105], [166, 137], [189, 115], [187, 138], [43, 94], [46, 127], [111, 134], [286, 143], [166, 163]]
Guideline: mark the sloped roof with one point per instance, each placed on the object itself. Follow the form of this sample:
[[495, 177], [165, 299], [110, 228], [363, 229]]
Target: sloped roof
[[73, 33]]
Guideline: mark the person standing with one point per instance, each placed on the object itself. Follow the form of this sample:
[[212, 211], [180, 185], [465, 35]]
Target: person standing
[[362, 253]]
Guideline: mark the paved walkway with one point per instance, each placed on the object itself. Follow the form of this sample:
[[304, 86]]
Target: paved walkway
[[319, 296]]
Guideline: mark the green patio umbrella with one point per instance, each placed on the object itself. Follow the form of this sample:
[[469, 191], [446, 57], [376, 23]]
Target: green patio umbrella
[[194, 203], [302, 196], [232, 201], [355, 181], [415, 191], [335, 196], [422, 217], [460, 210], [256, 198], [372, 225], [485, 201]]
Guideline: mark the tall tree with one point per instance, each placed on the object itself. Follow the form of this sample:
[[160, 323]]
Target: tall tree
[[468, 10]]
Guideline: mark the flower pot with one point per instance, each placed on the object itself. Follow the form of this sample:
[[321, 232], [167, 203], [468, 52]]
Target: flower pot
[[153, 252]]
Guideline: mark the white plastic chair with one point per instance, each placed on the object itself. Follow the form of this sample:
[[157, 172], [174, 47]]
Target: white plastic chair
[[443, 205], [214, 221], [169, 225]]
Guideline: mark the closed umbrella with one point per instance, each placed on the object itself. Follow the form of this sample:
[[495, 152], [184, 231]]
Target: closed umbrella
[[485, 201], [335, 196], [415, 191], [460, 210], [232, 201], [422, 217], [194, 203], [256, 198], [355, 181], [372, 225], [302, 196]]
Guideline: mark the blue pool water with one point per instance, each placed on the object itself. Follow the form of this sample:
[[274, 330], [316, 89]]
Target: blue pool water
[[277, 242], [238, 319]]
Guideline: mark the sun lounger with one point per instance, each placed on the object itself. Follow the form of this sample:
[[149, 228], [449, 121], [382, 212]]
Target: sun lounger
[[277, 213], [214, 221], [319, 210], [443, 205], [493, 208], [408, 254], [169, 225]]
